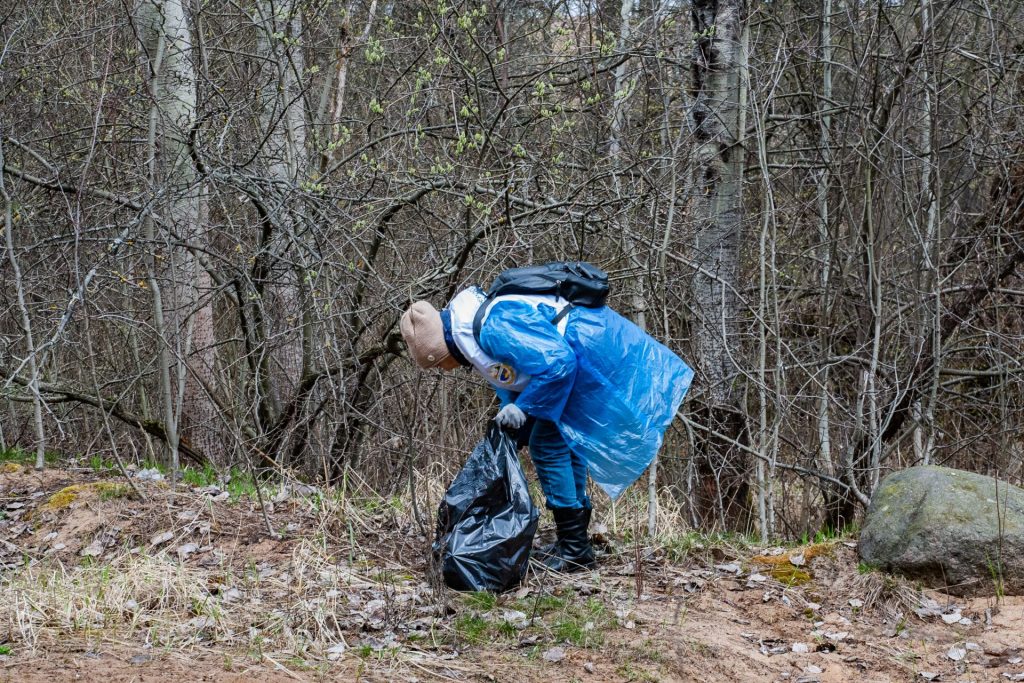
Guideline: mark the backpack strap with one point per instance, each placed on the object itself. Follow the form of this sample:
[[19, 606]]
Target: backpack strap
[[562, 313], [478, 319]]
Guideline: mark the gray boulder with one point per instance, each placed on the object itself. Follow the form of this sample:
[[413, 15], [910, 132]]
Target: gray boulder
[[955, 530]]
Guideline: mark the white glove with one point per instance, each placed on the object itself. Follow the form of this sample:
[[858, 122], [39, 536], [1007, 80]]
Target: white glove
[[510, 417]]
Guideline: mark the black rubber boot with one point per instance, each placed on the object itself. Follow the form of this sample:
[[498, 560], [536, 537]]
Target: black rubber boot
[[548, 549], [572, 551]]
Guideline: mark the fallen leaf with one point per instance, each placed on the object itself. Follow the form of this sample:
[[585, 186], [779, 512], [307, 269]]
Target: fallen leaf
[[588, 667], [928, 675], [800, 648], [94, 549], [335, 652], [554, 655], [856, 603], [951, 618], [186, 550], [797, 559], [956, 653], [160, 538]]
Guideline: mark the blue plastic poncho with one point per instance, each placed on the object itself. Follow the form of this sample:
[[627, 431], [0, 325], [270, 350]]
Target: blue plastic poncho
[[611, 388]]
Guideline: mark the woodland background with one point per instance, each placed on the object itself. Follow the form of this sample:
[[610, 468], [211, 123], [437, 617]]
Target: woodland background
[[214, 212]]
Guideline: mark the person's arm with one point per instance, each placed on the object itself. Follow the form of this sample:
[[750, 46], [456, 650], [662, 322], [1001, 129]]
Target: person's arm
[[516, 334]]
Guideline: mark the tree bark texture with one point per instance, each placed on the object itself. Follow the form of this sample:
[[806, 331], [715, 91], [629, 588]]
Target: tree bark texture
[[718, 115]]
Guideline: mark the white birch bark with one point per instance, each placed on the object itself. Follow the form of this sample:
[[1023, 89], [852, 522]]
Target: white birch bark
[[824, 455], [718, 118], [923, 435], [182, 321]]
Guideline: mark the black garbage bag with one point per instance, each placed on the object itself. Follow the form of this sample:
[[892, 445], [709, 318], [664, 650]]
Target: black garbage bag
[[486, 521]]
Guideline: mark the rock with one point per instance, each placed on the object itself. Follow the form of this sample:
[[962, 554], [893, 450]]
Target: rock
[[950, 529]]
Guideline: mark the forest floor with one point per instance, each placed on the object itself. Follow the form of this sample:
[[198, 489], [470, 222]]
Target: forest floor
[[187, 584]]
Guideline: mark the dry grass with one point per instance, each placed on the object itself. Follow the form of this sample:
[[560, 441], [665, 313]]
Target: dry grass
[[300, 611]]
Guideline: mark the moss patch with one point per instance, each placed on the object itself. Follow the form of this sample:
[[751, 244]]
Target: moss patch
[[104, 490], [11, 468], [781, 567], [790, 575]]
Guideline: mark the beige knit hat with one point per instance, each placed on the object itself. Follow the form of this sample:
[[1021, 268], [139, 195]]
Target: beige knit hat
[[424, 335]]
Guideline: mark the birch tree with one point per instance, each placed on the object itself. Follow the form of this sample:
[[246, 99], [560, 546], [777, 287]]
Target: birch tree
[[718, 119]]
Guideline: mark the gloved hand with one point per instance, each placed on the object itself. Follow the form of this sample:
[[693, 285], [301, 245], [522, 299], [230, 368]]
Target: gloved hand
[[510, 417]]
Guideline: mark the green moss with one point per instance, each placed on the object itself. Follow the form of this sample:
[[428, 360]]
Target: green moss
[[104, 490]]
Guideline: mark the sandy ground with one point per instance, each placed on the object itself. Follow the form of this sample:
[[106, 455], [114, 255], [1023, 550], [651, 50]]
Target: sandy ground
[[90, 592]]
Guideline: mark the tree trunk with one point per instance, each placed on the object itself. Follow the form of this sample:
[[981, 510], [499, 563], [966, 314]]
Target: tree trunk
[[718, 119], [283, 118], [182, 321], [26, 321]]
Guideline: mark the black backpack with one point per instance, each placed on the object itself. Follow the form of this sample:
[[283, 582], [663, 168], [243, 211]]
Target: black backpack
[[578, 282]]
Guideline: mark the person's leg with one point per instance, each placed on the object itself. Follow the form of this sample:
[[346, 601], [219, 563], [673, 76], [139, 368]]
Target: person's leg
[[554, 464], [579, 475], [563, 477]]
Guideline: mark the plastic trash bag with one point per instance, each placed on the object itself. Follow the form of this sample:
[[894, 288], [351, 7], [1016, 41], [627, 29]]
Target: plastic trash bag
[[486, 521]]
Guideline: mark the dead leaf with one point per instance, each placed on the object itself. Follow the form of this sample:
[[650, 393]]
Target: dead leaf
[[186, 550], [956, 653], [335, 652], [94, 549], [160, 538], [554, 655]]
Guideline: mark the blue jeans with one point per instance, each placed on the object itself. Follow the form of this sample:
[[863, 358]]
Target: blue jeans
[[562, 473]]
